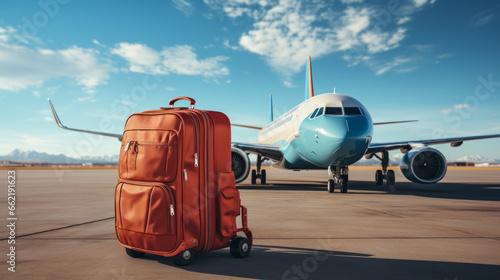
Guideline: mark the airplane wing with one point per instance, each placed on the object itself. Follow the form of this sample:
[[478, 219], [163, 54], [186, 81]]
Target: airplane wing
[[248, 126], [59, 123], [408, 145], [268, 151], [384, 123]]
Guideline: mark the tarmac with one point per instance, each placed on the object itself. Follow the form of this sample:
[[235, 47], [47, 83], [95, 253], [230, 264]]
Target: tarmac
[[450, 230]]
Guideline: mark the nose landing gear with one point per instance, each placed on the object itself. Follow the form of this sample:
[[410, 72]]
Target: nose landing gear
[[340, 179]]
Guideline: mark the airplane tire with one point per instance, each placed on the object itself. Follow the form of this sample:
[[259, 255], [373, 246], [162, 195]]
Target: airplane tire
[[263, 177], [391, 178], [379, 177], [254, 177], [343, 184], [330, 186]]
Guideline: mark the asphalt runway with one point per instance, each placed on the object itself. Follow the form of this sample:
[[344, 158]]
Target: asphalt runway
[[450, 230]]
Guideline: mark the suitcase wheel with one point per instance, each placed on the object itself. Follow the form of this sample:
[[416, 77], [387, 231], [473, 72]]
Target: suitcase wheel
[[134, 253], [240, 247], [184, 258]]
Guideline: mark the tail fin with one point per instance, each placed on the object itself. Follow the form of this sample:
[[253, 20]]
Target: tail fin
[[271, 114], [309, 91]]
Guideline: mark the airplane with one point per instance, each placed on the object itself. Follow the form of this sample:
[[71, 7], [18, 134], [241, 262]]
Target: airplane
[[329, 131]]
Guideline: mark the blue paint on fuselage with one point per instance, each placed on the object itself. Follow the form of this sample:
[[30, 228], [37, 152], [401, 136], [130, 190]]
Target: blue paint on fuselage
[[328, 140]]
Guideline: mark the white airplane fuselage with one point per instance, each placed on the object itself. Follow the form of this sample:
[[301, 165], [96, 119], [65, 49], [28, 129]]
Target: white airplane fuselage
[[327, 129]]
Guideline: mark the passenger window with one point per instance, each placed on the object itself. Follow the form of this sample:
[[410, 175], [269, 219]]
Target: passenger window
[[313, 114], [335, 111], [352, 111]]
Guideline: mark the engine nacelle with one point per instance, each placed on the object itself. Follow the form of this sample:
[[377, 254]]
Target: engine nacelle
[[240, 163], [424, 165]]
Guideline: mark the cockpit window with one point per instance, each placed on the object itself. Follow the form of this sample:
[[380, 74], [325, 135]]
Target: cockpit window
[[352, 111], [320, 112], [313, 114], [336, 111]]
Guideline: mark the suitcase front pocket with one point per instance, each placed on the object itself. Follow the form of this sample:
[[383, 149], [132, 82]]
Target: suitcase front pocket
[[145, 209], [228, 204], [149, 160]]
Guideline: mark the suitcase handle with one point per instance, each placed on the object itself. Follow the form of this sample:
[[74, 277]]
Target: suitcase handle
[[191, 101]]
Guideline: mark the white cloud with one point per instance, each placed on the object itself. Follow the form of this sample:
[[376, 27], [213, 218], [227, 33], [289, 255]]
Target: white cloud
[[351, 1], [419, 3], [184, 6], [286, 32], [170, 88], [398, 61], [88, 98], [382, 41], [289, 84], [403, 20], [485, 17], [183, 60], [36, 93], [454, 108], [237, 8], [227, 45], [99, 43], [21, 67], [177, 59], [286, 35], [142, 58], [33, 141]]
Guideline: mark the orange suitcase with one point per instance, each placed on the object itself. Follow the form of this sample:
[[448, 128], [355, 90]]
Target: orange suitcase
[[176, 193]]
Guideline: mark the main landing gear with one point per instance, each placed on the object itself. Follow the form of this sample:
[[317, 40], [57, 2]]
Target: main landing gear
[[384, 174], [340, 178], [261, 174]]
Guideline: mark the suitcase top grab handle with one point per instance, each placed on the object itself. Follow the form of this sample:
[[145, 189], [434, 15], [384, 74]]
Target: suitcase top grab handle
[[191, 101]]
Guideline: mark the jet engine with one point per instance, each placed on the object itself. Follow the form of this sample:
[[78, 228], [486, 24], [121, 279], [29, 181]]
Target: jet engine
[[424, 165], [240, 163]]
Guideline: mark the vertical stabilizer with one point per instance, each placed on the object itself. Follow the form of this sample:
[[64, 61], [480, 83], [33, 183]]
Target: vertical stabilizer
[[271, 113], [309, 91]]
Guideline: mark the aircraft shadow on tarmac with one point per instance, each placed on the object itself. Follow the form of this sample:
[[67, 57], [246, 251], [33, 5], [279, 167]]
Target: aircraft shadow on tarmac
[[277, 262], [486, 192]]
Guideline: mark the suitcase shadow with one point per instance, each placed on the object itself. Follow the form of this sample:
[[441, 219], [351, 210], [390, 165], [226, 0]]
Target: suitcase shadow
[[281, 262]]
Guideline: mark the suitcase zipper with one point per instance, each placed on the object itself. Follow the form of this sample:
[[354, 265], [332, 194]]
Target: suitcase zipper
[[208, 243], [195, 141], [171, 207], [185, 175]]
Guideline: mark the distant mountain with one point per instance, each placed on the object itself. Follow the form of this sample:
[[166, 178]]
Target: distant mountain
[[478, 159], [36, 157]]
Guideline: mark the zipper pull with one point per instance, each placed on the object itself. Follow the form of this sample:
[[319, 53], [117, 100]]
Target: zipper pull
[[185, 175], [172, 210], [128, 145], [195, 159]]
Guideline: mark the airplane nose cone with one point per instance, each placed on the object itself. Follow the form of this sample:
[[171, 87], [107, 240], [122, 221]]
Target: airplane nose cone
[[339, 140]]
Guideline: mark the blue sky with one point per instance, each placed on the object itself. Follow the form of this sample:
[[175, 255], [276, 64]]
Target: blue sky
[[99, 61]]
